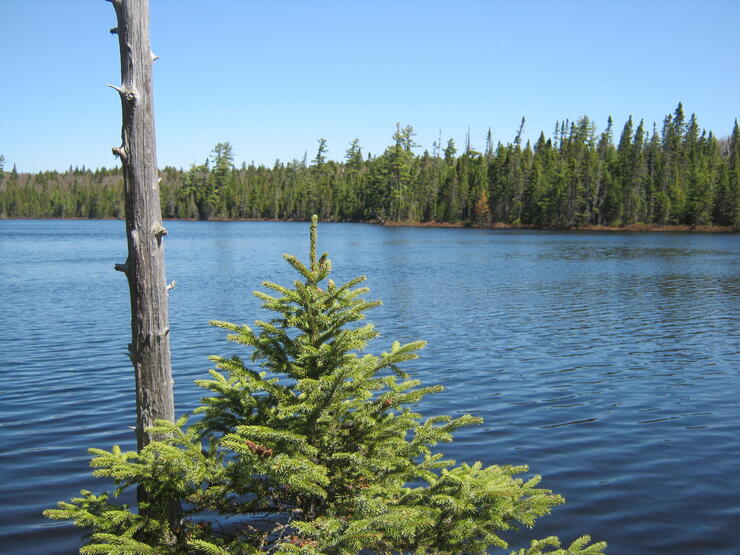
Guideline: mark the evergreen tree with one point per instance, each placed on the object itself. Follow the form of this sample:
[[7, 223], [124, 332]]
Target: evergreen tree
[[673, 185], [699, 174], [349, 185], [319, 449], [377, 190], [489, 145], [731, 213], [605, 179], [427, 193], [401, 158], [620, 190], [320, 158], [583, 171], [353, 155], [450, 205], [537, 183], [634, 191], [653, 157], [450, 150], [222, 157]]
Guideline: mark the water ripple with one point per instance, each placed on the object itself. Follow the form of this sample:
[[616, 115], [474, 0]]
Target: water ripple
[[607, 362]]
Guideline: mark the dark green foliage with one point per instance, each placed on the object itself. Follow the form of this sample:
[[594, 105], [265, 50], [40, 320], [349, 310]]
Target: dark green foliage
[[76, 193], [312, 447], [727, 200], [681, 175]]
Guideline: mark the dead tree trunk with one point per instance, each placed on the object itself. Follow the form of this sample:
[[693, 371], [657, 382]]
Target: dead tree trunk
[[150, 345]]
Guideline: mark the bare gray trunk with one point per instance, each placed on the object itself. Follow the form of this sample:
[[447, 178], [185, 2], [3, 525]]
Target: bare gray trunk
[[144, 268]]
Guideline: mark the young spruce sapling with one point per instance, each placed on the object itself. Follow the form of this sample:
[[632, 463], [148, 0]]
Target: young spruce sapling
[[312, 447]]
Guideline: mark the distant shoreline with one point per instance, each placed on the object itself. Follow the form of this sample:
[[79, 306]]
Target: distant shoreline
[[585, 227], [634, 228]]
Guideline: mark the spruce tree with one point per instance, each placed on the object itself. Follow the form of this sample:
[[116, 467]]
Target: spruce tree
[[732, 209], [318, 450]]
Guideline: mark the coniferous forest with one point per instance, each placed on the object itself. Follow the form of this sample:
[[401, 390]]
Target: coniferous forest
[[673, 174]]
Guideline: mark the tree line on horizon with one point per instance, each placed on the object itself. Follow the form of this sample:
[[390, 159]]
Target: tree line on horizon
[[679, 174]]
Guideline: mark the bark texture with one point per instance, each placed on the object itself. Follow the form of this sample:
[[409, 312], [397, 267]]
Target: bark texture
[[144, 268]]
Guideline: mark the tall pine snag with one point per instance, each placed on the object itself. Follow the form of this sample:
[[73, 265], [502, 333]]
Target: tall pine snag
[[312, 447], [150, 345]]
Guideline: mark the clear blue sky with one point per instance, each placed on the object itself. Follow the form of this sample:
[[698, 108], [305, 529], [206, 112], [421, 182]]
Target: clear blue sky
[[272, 76]]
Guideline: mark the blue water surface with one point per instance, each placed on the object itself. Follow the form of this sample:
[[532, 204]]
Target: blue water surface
[[607, 362]]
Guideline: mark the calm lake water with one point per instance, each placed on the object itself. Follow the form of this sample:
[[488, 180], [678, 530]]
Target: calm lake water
[[608, 362]]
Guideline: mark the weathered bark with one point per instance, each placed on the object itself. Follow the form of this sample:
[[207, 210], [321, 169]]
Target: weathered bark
[[150, 345]]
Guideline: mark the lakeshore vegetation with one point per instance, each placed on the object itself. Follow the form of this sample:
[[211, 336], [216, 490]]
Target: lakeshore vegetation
[[678, 174]]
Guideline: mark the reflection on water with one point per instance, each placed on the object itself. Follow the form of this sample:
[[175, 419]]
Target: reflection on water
[[607, 362]]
